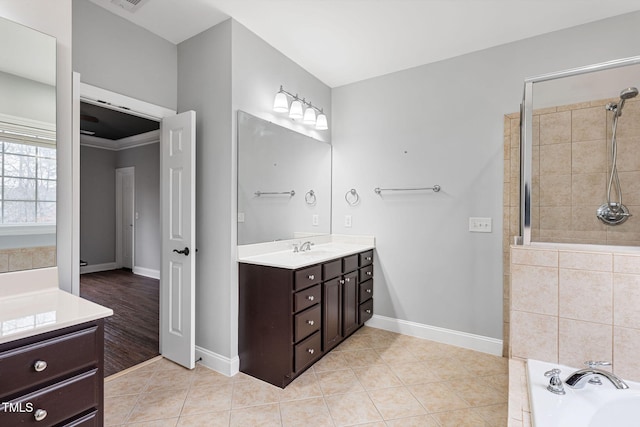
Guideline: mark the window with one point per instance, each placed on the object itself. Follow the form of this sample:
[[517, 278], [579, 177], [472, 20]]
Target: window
[[28, 174]]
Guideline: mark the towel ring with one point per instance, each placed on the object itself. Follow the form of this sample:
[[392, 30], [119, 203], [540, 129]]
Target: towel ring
[[310, 197], [354, 199]]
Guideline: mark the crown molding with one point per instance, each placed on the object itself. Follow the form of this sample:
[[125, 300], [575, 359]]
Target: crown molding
[[134, 141]]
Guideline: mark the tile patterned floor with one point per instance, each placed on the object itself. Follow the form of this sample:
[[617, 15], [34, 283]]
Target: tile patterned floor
[[375, 378]]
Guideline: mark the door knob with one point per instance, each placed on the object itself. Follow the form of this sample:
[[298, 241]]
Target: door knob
[[184, 252]]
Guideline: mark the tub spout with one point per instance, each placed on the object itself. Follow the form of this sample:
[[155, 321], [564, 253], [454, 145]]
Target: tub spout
[[579, 378]]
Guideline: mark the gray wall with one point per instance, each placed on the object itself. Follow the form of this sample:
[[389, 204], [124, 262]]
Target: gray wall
[[442, 123], [27, 98], [146, 160], [97, 205], [204, 85], [221, 70], [112, 53], [54, 18]]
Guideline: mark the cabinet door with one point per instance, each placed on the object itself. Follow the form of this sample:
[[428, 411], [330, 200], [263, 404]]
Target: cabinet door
[[332, 313], [350, 303]]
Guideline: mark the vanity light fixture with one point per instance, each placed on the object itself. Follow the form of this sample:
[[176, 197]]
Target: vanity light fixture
[[300, 109]]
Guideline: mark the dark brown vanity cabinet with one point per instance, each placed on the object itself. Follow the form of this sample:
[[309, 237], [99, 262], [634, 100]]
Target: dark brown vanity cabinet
[[54, 378], [288, 319]]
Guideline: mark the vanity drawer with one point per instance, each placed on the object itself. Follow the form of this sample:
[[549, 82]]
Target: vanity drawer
[[307, 322], [308, 276], [366, 273], [89, 420], [40, 362], [307, 298], [366, 290], [307, 351], [350, 263], [331, 269], [366, 311], [61, 401], [366, 258]]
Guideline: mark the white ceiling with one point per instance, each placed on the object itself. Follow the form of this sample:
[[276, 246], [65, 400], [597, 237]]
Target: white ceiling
[[344, 41]]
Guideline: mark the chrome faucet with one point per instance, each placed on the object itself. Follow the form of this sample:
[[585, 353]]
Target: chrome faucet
[[579, 378], [306, 246]]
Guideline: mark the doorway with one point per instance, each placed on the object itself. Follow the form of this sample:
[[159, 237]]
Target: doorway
[[177, 233], [120, 229]]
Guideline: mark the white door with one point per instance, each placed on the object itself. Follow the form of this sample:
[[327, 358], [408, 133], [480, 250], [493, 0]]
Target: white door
[[125, 222], [177, 279]]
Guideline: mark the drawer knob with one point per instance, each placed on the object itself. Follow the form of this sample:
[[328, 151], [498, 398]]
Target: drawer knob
[[369, 273], [368, 311], [311, 351], [342, 282], [368, 258], [348, 279], [311, 297], [40, 414], [40, 365], [311, 322], [311, 277], [369, 291]]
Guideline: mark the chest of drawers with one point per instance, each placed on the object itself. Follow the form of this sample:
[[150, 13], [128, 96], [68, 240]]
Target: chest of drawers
[[288, 319], [54, 379]]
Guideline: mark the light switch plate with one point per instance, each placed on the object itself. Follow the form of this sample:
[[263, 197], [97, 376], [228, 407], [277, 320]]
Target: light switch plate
[[480, 225]]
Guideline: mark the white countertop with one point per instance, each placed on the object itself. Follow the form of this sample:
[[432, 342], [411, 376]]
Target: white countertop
[[42, 308], [323, 250]]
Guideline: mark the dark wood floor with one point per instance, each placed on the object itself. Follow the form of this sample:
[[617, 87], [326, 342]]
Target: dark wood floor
[[131, 334]]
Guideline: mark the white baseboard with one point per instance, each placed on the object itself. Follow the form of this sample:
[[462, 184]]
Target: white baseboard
[[434, 333], [217, 362], [147, 272], [94, 268]]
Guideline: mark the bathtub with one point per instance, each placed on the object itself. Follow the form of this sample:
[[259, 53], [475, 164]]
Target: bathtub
[[591, 406]]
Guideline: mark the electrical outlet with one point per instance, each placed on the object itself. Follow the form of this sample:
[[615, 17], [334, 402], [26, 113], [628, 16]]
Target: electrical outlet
[[347, 221], [315, 220], [480, 225], [240, 216]]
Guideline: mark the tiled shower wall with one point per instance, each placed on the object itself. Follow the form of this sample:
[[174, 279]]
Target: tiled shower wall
[[569, 306], [564, 305], [571, 150], [27, 258]]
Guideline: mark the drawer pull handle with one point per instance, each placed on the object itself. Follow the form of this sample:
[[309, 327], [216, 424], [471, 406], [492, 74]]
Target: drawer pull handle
[[311, 351], [369, 291], [311, 297], [40, 414], [368, 311], [369, 273], [40, 365], [311, 277], [368, 258], [311, 322]]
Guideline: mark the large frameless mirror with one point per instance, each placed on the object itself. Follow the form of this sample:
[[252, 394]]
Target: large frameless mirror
[[581, 155], [284, 183], [27, 148]]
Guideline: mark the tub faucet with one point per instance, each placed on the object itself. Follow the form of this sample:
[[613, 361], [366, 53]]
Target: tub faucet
[[579, 378]]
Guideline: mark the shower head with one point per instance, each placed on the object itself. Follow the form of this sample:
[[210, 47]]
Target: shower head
[[628, 93]]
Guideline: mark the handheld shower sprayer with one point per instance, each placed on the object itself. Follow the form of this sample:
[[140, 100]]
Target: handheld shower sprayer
[[614, 213]]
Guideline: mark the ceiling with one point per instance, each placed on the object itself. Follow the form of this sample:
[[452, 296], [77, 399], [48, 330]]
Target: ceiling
[[344, 41], [113, 125]]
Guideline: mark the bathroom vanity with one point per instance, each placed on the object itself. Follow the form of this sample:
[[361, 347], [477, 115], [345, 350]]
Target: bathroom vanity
[[296, 307], [51, 355]]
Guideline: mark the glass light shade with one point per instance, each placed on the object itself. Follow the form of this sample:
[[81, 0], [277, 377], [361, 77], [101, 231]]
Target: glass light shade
[[281, 103], [296, 110], [309, 116], [321, 122]]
